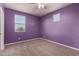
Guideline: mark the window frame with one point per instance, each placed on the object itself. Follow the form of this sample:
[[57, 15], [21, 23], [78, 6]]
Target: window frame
[[58, 16], [15, 27]]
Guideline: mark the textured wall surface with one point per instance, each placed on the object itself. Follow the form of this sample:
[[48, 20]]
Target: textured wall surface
[[32, 27], [67, 30]]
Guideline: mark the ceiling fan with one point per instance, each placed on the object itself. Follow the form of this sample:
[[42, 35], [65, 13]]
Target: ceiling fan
[[40, 5]]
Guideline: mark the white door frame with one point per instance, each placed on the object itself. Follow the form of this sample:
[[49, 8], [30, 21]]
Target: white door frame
[[2, 27]]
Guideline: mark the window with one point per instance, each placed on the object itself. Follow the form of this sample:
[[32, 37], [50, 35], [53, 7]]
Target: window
[[19, 23], [56, 17]]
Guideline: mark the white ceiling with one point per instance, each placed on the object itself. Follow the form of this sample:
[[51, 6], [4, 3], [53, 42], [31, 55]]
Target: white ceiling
[[31, 8]]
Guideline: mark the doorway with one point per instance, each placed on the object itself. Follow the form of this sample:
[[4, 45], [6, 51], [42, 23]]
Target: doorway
[[1, 27]]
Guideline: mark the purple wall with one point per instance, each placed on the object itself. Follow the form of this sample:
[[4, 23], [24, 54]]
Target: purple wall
[[32, 27], [67, 30]]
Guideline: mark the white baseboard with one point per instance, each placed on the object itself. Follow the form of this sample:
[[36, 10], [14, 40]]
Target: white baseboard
[[61, 44], [48, 41], [22, 41]]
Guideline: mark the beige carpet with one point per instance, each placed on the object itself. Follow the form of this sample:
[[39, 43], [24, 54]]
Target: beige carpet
[[37, 47]]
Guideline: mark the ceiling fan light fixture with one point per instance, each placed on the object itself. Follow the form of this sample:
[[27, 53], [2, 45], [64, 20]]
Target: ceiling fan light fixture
[[40, 5]]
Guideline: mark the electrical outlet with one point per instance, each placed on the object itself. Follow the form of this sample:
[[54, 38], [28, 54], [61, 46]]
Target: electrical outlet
[[19, 38]]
